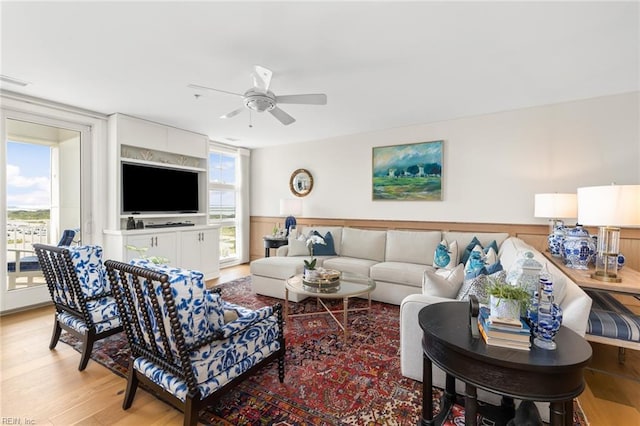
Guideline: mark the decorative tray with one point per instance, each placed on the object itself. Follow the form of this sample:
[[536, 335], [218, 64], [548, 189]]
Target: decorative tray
[[323, 278]]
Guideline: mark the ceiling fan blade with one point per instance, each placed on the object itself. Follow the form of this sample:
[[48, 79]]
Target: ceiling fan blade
[[262, 78], [282, 116], [233, 113], [198, 87], [310, 99]]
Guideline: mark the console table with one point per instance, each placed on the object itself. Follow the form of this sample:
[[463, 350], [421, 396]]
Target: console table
[[609, 333], [630, 278], [273, 242], [537, 375]]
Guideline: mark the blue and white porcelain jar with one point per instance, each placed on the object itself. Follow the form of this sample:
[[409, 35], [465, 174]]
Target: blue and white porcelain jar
[[578, 248], [556, 239]]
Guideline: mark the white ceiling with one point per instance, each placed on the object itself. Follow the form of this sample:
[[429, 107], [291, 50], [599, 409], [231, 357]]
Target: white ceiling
[[381, 64]]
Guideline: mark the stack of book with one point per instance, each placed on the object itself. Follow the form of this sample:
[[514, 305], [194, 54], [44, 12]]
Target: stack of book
[[504, 332]]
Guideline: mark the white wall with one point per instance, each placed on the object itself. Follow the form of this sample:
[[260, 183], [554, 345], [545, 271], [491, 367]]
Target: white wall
[[493, 164]]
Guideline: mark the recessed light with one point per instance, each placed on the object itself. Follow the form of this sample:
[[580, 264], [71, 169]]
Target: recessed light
[[12, 80]]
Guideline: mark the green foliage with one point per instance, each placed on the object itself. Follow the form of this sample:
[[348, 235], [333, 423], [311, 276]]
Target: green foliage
[[504, 290], [28, 214], [310, 265]]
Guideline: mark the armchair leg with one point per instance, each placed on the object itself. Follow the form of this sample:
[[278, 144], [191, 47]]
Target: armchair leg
[[132, 386], [190, 412], [87, 347], [55, 336], [281, 368]]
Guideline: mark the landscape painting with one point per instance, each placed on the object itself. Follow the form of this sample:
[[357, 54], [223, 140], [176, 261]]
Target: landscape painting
[[411, 172]]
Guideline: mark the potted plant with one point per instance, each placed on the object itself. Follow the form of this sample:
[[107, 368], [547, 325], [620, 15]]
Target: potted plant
[[310, 265], [507, 300]]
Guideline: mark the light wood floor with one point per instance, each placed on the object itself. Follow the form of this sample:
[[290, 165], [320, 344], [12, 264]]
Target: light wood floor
[[45, 388]]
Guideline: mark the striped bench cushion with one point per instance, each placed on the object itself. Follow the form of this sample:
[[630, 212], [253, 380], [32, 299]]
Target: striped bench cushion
[[610, 318]]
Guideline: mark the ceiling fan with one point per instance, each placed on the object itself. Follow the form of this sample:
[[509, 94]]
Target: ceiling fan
[[260, 99]]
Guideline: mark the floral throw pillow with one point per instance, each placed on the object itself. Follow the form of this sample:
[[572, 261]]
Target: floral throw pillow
[[446, 255], [479, 287]]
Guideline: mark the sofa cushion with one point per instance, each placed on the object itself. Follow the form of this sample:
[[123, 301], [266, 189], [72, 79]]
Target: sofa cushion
[[411, 246], [336, 233], [478, 286], [475, 261], [326, 249], [400, 272], [349, 264], [494, 267], [363, 244], [484, 237], [297, 246], [473, 245], [446, 255], [443, 282]]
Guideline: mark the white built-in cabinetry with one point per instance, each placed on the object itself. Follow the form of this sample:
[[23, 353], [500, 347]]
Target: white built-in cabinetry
[[134, 140], [134, 132], [190, 247]]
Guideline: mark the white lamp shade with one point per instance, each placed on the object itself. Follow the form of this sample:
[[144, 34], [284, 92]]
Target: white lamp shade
[[291, 207], [556, 206], [611, 205]]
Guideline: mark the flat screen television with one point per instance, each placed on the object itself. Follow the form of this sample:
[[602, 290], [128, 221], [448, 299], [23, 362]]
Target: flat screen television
[[149, 189]]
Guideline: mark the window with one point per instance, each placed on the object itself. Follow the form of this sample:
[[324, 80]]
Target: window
[[223, 195]]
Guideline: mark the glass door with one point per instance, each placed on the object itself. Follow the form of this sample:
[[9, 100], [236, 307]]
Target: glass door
[[42, 188]]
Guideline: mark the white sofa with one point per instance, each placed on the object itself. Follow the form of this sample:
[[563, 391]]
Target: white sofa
[[575, 304], [395, 259]]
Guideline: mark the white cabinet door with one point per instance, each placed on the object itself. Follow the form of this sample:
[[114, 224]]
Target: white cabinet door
[[200, 250], [163, 245], [140, 133], [210, 253], [187, 143]]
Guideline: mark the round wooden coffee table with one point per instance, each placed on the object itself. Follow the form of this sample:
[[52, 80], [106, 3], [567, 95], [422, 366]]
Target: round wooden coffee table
[[555, 376], [351, 285]]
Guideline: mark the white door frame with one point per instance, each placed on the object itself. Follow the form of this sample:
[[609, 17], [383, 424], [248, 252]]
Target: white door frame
[[92, 129]]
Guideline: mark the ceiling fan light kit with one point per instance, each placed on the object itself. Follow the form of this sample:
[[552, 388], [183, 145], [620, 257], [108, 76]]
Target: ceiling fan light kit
[[259, 102], [260, 99]]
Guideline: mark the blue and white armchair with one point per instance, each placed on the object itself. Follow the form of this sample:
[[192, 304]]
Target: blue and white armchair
[[80, 291], [188, 345]]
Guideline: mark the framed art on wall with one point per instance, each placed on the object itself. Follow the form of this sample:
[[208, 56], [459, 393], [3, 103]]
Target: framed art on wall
[[410, 172]]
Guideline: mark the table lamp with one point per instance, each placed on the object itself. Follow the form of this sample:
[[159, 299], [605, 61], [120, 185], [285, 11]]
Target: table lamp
[[290, 207], [609, 207], [554, 207]]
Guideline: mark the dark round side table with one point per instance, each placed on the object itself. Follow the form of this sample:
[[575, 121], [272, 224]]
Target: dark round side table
[[273, 242], [555, 376]]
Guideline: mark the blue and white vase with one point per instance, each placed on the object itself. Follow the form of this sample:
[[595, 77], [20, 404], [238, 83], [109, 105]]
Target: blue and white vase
[[617, 261], [578, 248], [556, 239], [621, 260], [549, 317]]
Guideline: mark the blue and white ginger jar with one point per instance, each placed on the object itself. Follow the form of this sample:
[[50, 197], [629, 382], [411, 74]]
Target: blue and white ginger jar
[[578, 248], [556, 239]]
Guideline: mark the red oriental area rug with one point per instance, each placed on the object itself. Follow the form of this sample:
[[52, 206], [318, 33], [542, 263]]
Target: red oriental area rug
[[327, 381]]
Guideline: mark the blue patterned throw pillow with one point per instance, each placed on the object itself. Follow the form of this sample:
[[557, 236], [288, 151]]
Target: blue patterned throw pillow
[[327, 249], [468, 249]]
